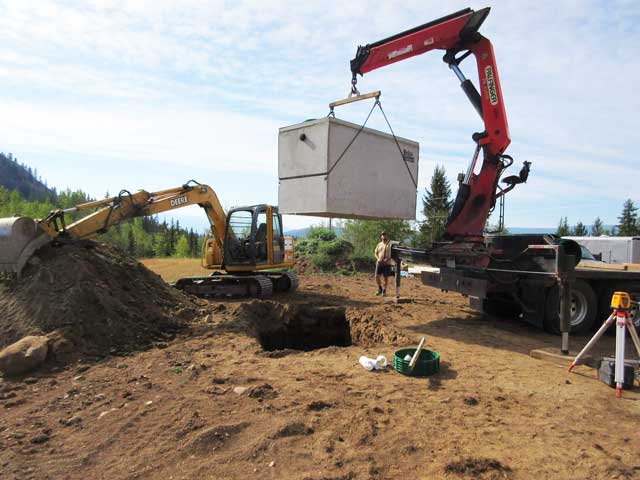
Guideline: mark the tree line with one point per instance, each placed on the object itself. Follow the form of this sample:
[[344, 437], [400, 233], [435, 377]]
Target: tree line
[[436, 206], [24, 193], [140, 237], [628, 225]]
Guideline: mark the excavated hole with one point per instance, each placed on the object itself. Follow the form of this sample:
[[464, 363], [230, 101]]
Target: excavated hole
[[279, 327], [308, 329]]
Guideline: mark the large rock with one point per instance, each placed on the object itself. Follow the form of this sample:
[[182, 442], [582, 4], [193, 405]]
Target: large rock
[[24, 355]]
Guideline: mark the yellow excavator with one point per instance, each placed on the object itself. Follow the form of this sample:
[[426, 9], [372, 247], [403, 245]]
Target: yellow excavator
[[247, 250]]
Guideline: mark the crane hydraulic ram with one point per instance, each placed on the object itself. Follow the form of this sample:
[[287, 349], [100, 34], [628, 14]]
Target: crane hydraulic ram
[[457, 34]]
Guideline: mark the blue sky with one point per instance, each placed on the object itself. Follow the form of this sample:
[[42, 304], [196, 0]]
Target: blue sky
[[147, 94]]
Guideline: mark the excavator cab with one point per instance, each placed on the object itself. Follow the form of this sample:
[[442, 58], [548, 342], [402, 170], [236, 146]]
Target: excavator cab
[[254, 254], [254, 238]]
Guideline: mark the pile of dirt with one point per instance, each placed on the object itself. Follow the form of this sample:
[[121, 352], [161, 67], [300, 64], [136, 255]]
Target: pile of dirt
[[279, 326], [304, 265], [373, 328], [90, 299]]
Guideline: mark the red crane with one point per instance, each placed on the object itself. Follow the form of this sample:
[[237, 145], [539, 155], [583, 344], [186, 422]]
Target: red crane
[[457, 34]]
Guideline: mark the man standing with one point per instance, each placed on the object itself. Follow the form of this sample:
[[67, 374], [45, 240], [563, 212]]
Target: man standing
[[383, 263]]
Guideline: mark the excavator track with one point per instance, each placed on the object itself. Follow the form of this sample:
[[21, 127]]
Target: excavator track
[[284, 281], [222, 285], [265, 287], [293, 281]]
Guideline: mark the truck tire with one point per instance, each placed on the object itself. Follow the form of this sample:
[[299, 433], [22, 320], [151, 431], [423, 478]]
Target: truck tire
[[584, 309]]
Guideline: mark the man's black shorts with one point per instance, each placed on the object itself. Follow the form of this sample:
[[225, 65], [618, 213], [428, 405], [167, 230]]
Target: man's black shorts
[[383, 269]]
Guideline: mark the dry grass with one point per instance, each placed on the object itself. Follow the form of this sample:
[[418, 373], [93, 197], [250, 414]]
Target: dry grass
[[171, 269]]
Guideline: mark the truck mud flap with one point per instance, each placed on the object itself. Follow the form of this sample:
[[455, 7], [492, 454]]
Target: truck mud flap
[[455, 282]]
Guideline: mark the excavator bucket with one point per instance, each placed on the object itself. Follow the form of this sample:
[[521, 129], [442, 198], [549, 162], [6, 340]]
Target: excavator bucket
[[20, 237]]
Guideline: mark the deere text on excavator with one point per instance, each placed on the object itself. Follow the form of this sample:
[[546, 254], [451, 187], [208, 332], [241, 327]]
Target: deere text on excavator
[[247, 250]]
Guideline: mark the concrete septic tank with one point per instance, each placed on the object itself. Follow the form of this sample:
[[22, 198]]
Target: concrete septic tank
[[372, 180]]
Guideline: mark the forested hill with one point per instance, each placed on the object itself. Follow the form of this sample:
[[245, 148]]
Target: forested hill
[[21, 178]]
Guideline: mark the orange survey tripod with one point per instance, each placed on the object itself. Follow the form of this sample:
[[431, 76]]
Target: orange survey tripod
[[621, 305]]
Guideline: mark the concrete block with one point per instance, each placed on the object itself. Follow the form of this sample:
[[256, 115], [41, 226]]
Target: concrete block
[[373, 180]]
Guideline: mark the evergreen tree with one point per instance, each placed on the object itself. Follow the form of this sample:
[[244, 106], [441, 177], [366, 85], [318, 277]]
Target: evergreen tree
[[579, 230], [182, 247], [436, 206], [193, 243], [563, 228], [131, 243], [628, 225], [171, 242], [597, 228]]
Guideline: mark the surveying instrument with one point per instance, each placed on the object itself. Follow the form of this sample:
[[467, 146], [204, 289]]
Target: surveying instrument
[[621, 305]]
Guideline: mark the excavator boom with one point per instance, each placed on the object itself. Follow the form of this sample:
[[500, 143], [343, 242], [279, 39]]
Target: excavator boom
[[114, 210], [20, 237]]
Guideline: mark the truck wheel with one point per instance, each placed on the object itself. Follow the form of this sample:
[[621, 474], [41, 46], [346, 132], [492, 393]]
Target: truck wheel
[[584, 309]]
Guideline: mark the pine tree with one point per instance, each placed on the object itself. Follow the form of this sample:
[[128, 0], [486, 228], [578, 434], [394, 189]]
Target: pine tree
[[563, 228], [579, 230], [436, 205], [597, 228], [629, 224], [193, 243], [131, 243], [171, 241]]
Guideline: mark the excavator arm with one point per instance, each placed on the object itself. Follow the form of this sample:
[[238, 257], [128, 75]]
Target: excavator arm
[[457, 34], [114, 210], [20, 237]]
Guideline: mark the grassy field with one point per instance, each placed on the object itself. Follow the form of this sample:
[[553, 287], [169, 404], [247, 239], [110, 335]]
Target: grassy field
[[171, 269]]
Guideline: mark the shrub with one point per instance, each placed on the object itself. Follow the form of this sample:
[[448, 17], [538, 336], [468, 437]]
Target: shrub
[[363, 263], [324, 262], [321, 233], [338, 248], [316, 236]]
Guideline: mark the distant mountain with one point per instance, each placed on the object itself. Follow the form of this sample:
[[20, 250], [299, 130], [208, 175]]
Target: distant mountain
[[20, 177]]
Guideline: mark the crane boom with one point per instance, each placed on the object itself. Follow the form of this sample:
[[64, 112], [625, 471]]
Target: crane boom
[[457, 34]]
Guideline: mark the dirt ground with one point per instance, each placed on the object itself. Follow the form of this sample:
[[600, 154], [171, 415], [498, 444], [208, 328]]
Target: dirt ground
[[212, 404]]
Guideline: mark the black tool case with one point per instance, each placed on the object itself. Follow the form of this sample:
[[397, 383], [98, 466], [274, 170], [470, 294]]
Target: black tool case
[[607, 373]]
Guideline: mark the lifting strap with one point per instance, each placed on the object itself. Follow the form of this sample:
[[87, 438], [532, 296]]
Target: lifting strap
[[332, 114]]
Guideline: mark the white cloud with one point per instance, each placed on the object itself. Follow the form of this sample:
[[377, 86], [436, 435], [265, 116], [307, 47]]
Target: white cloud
[[228, 141], [209, 82]]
